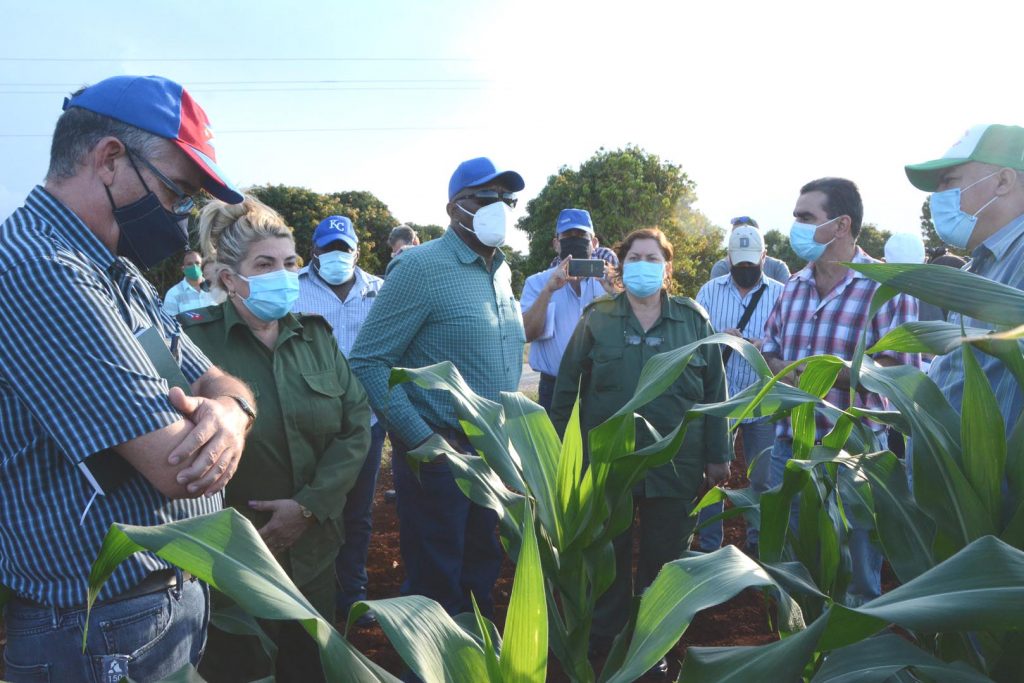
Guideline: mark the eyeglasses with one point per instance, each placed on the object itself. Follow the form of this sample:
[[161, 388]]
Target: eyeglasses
[[637, 340], [184, 204], [485, 197]]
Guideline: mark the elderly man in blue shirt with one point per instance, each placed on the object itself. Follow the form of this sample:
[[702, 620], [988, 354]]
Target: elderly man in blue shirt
[[977, 203], [449, 299], [333, 286], [553, 301], [190, 293]]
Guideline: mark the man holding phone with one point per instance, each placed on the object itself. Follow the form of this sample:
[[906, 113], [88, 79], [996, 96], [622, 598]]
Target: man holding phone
[[550, 308]]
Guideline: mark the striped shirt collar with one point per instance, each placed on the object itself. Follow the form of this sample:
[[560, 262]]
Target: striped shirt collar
[[807, 272], [66, 225], [361, 285], [1001, 241]]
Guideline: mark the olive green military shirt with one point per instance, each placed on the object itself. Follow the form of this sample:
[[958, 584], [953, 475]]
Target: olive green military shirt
[[609, 349], [312, 432]]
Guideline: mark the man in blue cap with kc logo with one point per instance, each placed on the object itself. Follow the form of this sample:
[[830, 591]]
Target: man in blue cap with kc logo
[[449, 299]]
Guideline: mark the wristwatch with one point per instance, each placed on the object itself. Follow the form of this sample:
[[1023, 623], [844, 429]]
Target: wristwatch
[[306, 512], [245, 408]]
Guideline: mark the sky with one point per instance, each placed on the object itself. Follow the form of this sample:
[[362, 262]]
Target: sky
[[752, 99]]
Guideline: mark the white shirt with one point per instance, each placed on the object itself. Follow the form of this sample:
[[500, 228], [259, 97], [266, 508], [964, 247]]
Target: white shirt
[[184, 297], [564, 310]]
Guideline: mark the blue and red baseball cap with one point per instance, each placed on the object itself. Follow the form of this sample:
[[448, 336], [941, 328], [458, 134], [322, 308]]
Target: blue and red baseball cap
[[334, 228], [480, 171], [162, 107]]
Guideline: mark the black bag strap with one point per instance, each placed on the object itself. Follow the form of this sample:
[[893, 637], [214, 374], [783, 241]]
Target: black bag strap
[[745, 318]]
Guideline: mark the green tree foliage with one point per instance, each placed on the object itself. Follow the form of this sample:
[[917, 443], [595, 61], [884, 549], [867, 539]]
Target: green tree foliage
[[777, 245], [872, 239], [303, 209], [626, 189], [933, 244]]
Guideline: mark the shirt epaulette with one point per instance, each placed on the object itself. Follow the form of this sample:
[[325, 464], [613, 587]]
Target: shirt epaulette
[[314, 318], [603, 299], [690, 303], [199, 316]]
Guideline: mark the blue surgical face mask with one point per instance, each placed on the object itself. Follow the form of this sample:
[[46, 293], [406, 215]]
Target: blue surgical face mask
[[336, 267], [955, 226], [272, 295], [643, 278], [801, 238]]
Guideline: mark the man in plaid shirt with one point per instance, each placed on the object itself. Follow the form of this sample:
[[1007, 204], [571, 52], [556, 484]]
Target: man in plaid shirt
[[824, 310]]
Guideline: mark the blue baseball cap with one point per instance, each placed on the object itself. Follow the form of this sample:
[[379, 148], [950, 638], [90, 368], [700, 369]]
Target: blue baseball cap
[[480, 171], [161, 107], [574, 219], [334, 228]]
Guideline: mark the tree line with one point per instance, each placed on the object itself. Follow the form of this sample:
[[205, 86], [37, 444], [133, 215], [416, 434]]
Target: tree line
[[624, 189]]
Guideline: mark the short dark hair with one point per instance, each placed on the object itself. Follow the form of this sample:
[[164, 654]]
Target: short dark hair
[[842, 198], [79, 130], [402, 233]]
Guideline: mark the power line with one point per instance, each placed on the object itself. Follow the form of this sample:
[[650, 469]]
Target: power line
[[260, 131], [276, 82], [231, 90], [236, 59]]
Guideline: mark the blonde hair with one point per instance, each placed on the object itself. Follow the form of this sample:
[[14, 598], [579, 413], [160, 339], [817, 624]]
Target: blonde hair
[[227, 231]]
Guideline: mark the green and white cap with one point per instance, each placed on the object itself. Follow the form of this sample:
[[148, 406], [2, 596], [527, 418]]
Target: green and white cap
[[988, 144]]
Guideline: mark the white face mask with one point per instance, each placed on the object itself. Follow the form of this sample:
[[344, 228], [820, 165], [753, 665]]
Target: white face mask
[[490, 223]]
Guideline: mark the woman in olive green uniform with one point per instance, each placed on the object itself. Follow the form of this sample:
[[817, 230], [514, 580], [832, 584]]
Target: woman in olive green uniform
[[612, 341], [311, 434]]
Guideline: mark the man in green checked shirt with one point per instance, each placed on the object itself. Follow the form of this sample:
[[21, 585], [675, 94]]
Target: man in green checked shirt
[[449, 299]]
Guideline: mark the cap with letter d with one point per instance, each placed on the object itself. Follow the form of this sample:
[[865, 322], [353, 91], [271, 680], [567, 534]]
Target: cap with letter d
[[988, 144], [745, 245]]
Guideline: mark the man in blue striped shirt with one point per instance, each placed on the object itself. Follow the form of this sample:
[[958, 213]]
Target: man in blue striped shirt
[[726, 299], [333, 286], [90, 433]]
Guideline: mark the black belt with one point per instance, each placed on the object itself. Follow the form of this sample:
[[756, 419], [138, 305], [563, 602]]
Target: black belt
[[154, 582]]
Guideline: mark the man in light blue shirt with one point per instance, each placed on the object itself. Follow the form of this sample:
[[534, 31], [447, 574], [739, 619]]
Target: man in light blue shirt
[[333, 286], [189, 293], [985, 169], [727, 299], [550, 308]]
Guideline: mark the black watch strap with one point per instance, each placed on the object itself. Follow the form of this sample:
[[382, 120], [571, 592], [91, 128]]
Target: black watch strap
[[246, 408]]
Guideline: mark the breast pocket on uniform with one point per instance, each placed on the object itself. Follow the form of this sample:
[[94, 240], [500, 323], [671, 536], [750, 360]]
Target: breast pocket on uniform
[[322, 406], [606, 372]]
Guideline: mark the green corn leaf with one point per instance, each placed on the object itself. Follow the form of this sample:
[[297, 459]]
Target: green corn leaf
[[983, 436], [879, 659], [430, 642], [224, 550], [681, 589], [979, 588], [955, 290], [233, 619], [534, 438], [780, 661], [524, 654]]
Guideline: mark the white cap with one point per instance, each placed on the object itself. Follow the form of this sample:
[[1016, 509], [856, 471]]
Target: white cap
[[904, 247], [745, 245]]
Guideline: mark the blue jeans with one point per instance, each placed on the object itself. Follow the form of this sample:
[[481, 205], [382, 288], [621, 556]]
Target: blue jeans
[[448, 543], [147, 638], [866, 579], [350, 565], [757, 438]]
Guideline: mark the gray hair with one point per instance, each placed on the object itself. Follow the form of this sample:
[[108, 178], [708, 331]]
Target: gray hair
[[79, 130], [227, 231], [402, 233]]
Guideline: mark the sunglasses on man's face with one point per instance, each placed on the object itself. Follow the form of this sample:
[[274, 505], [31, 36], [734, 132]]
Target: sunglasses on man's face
[[485, 197]]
